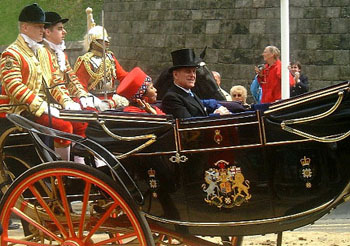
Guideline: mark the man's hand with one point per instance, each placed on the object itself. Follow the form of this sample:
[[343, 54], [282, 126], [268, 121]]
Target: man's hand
[[102, 106], [146, 106], [222, 111], [53, 111], [92, 101], [72, 106], [87, 102], [297, 77], [259, 70]]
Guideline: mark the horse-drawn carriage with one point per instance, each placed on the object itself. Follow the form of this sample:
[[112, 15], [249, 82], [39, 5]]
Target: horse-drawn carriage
[[166, 181]]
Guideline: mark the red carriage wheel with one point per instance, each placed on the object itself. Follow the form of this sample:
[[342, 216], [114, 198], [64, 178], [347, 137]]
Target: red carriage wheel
[[71, 204]]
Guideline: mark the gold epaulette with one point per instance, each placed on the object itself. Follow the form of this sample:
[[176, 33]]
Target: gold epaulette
[[84, 58], [95, 76]]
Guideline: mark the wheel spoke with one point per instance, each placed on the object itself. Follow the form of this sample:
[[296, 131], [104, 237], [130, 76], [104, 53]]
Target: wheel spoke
[[35, 224], [66, 206], [84, 208], [105, 216], [21, 242], [48, 210], [118, 239]]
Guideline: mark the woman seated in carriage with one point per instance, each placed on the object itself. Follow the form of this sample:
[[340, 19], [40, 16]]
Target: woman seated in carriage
[[138, 88]]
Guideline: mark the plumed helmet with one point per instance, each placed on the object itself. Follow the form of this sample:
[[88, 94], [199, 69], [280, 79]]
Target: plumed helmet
[[94, 32]]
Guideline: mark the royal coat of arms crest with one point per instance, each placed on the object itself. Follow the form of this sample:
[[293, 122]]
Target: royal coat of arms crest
[[225, 186]]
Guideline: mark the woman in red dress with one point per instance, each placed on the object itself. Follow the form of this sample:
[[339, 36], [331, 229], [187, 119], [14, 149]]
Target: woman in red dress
[[138, 88]]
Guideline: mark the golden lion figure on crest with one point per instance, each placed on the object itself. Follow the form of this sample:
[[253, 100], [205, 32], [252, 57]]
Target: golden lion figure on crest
[[241, 185], [226, 187]]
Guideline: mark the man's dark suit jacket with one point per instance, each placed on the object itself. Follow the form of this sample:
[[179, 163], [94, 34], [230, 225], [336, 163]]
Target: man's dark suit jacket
[[301, 87], [182, 105]]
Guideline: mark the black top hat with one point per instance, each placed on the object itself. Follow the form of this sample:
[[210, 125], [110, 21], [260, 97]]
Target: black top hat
[[53, 18], [32, 13], [183, 58]]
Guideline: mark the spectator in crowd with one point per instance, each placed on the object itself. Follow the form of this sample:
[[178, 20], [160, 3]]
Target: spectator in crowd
[[98, 69], [180, 101], [239, 93], [269, 78], [256, 90], [138, 88], [301, 81], [217, 78]]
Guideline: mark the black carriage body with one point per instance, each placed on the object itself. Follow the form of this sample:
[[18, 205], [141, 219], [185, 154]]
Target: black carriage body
[[249, 173], [240, 174]]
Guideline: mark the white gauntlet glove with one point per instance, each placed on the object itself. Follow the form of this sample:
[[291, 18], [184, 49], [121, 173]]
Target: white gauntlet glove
[[53, 111], [95, 100], [98, 103], [120, 101], [72, 106], [103, 106], [87, 101]]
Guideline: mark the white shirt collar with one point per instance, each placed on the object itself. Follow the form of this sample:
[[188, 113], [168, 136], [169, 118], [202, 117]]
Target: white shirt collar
[[188, 91], [33, 45], [59, 50]]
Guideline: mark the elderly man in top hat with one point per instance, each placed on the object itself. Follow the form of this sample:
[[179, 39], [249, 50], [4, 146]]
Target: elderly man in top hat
[[179, 100]]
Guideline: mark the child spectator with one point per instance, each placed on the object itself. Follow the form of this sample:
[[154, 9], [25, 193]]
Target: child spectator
[[301, 81]]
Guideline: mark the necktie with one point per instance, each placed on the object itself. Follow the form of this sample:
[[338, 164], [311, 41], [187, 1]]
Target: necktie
[[191, 94]]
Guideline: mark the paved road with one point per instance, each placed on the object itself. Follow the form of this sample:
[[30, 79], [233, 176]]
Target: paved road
[[337, 220]]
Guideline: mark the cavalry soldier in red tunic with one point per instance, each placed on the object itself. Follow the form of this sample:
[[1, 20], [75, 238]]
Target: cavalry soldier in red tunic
[[26, 74], [100, 74]]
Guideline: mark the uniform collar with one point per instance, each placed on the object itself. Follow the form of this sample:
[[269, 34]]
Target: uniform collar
[[59, 50], [33, 45], [56, 47]]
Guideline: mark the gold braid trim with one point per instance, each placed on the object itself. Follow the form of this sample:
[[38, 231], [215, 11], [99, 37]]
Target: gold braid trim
[[95, 76], [16, 51], [44, 59]]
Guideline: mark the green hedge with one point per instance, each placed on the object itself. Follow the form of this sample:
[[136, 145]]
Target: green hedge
[[72, 9]]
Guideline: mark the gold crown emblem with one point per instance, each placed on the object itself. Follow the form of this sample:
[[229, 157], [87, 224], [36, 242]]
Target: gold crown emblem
[[151, 173], [305, 161], [221, 164]]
